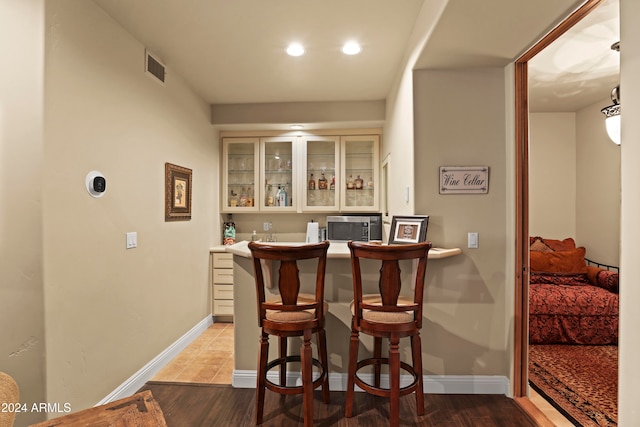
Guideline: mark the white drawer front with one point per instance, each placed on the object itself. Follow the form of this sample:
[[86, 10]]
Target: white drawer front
[[223, 307], [222, 260], [223, 292], [223, 275]]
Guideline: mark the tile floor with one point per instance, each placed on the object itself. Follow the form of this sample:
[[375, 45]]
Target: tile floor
[[208, 359]]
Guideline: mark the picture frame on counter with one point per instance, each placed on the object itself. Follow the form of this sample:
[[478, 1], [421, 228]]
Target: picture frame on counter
[[408, 229], [178, 181]]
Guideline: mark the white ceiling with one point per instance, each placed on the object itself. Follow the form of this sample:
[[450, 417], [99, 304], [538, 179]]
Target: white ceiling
[[232, 52], [579, 68]]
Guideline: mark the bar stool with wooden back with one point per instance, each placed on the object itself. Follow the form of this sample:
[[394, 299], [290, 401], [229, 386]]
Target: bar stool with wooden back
[[291, 314], [387, 314]]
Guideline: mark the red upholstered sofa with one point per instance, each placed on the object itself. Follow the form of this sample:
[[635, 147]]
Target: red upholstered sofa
[[569, 301]]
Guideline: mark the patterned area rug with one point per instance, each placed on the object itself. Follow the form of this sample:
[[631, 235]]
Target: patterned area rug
[[581, 381]]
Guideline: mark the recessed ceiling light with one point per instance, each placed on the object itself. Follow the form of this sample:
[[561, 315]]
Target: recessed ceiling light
[[351, 48], [296, 127], [295, 49]]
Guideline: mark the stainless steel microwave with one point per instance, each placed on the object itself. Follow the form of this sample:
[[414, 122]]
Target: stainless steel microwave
[[357, 227]]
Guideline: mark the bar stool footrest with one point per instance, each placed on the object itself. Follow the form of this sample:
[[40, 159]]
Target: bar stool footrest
[[380, 391], [297, 389]]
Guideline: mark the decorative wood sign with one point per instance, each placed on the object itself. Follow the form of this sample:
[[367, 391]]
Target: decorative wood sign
[[464, 179]]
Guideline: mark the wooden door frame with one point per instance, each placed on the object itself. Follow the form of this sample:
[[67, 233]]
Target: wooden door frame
[[521, 320]]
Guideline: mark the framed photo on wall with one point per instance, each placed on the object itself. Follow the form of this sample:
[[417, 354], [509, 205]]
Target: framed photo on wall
[[408, 229], [177, 190]]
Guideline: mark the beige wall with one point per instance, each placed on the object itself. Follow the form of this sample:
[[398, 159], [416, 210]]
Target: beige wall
[[398, 136], [629, 348], [552, 175], [109, 310], [21, 128], [574, 186], [597, 186], [468, 296]]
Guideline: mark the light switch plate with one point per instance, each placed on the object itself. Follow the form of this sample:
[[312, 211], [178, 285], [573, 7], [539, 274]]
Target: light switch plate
[[472, 240], [132, 240]]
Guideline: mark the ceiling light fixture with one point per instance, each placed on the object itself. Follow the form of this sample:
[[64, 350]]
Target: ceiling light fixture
[[612, 112], [351, 48], [296, 127], [295, 49]]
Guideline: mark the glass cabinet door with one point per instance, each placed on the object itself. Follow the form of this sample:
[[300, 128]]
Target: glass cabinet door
[[278, 174], [360, 181], [240, 174], [320, 157]]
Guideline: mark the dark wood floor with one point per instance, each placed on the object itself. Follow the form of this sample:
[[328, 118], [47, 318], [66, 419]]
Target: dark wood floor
[[193, 405]]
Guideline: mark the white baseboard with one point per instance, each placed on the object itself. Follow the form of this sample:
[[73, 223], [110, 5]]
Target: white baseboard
[[435, 384], [137, 380]]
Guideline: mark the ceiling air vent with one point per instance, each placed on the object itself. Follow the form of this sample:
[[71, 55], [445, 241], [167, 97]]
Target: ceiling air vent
[[154, 67]]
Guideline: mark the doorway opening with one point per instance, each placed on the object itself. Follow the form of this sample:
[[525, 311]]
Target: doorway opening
[[522, 195]]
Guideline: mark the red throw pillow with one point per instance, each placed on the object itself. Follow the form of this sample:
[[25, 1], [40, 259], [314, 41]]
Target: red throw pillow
[[559, 262], [540, 244]]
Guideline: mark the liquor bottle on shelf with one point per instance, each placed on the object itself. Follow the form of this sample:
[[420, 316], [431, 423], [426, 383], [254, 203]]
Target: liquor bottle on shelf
[[370, 183], [322, 182], [249, 197], [350, 183], [281, 196], [332, 186], [233, 200], [243, 198], [359, 183], [312, 183], [269, 199]]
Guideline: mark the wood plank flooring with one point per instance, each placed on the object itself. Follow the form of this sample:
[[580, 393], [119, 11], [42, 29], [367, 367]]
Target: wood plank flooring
[[200, 377], [196, 405]]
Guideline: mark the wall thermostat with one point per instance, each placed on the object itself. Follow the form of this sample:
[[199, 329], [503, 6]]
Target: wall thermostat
[[96, 184]]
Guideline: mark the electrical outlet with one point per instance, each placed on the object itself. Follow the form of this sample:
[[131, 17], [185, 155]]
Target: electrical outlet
[[265, 226]]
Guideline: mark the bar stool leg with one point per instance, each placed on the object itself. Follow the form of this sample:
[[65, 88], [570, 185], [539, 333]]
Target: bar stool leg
[[324, 360], [394, 379], [353, 360], [282, 349], [307, 380], [262, 372], [416, 348], [377, 353]]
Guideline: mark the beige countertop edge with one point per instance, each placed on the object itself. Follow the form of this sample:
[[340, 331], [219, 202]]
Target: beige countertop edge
[[336, 250]]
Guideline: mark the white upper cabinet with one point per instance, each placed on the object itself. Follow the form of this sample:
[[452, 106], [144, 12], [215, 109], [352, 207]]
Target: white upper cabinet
[[279, 174], [360, 165], [301, 173], [240, 157], [321, 173]]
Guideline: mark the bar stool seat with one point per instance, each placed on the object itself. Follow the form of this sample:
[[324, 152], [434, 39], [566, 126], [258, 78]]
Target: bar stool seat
[[388, 315], [293, 316], [291, 313], [383, 316]]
